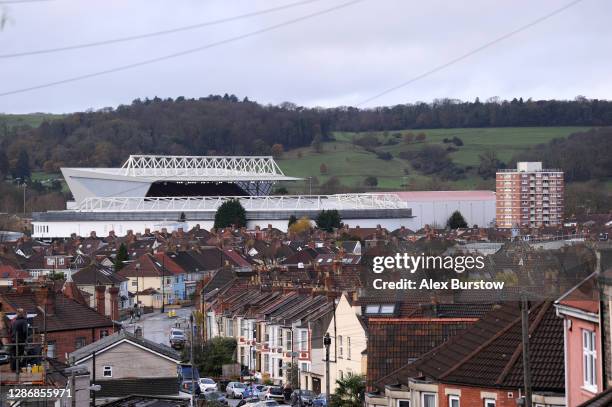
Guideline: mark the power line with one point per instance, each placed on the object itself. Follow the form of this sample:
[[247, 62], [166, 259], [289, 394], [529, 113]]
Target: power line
[[22, 1], [155, 33], [181, 53], [470, 53]]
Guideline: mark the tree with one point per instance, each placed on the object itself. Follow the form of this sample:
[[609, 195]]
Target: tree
[[300, 226], [212, 355], [122, 256], [281, 191], [323, 168], [370, 181], [292, 220], [489, 164], [230, 213], [22, 166], [329, 220], [408, 138], [350, 391], [4, 165], [277, 150], [456, 221], [421, 137], [317, 144]]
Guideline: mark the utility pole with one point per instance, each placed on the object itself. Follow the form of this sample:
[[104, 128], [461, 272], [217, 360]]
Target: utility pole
[[24, 198], [193, 389], [327, 343], [93, 378], [163, 282], [525, 340]]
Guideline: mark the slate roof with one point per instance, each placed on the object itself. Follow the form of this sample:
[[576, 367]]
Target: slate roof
[[95, 274], [489, 353], [69, 314], [151, 386], [107, 341]]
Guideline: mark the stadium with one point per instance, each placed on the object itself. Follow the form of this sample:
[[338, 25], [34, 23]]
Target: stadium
[[150, 192]]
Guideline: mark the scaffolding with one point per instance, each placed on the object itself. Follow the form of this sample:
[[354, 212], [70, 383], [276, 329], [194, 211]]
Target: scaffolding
[[25, 363]]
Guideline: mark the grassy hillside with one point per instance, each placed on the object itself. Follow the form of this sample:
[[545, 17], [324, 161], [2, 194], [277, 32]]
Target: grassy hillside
[[30, 119], [352, 163]]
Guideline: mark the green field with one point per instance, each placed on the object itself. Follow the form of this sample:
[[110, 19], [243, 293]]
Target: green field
[[30, 119], [351, 163]]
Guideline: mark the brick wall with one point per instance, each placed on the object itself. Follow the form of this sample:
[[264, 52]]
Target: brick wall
[[473, 396], [66, 341]]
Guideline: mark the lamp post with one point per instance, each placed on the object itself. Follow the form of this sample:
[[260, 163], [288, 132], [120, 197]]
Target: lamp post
[[163, 283]]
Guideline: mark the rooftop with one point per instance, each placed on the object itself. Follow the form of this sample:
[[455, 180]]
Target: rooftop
[[190, 168]]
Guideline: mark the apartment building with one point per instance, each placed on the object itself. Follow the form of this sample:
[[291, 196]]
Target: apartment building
[[529, 196]]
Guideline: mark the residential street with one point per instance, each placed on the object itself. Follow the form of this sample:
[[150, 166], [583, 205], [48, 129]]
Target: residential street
[[156, 326]]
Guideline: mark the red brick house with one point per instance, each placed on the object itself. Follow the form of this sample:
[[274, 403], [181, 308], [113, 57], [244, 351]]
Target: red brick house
[[482, 367], [70, 324]]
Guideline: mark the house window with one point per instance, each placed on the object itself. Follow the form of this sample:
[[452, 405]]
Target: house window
[[348, 347], [303, 340], [341, 374], [453, 401], [288, 340], [340, 346], [230, 327], [403, 403], [489, 403], [79, 342], [428, 399], [304, 367], [107, 371], [266, 364], [135, 283], [589, 359]]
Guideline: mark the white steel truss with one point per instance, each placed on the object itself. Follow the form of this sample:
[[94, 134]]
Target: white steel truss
[[250, 203], [190, 166]]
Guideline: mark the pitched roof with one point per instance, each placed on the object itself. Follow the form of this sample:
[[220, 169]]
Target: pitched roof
[[124, 336], [96, 274], [68, 314], [489, 353]]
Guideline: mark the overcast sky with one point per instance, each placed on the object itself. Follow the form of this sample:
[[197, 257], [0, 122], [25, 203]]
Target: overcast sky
[[340, 58]]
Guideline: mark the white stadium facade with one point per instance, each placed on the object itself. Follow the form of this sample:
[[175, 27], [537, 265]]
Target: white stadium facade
[[157, 192]]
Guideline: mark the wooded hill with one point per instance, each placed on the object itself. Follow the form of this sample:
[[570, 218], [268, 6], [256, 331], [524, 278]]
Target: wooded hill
[[228, 125]]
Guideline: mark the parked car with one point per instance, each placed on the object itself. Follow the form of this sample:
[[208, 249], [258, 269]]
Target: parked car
[[254, 390], [267, 403], [234, 390], [272, 393], [214, 396], [185, 372], [321, 400], [177, 338], [207, 384], [186, 388], [307, 397]]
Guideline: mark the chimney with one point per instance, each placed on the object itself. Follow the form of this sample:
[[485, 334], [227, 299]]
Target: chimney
[[71, 291], [100, 299], [114, 303], [45, 299]]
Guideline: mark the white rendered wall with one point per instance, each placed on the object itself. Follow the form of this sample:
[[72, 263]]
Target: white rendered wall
[[59, 229]]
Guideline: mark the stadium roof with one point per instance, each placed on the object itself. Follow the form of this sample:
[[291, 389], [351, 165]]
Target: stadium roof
[[250, 203], [138, 173]]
